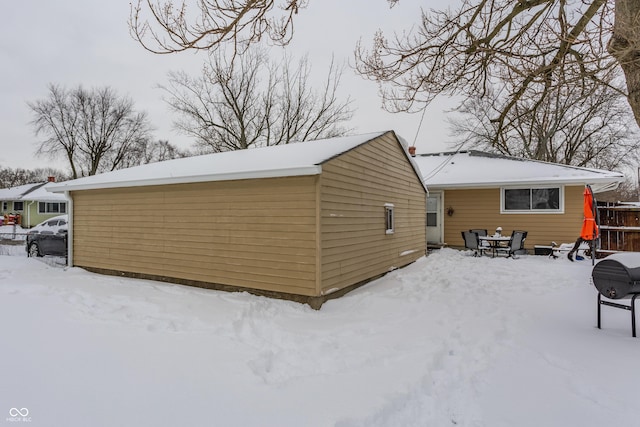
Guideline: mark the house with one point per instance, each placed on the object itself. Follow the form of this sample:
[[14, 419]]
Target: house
[[477, 190], [30, 204], [306, 221], [11, 203]]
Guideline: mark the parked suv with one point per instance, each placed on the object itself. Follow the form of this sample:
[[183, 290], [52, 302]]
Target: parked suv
[[48, 237]]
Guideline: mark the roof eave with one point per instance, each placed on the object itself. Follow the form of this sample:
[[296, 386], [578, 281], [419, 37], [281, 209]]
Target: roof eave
[[276, 173], [601, 182]]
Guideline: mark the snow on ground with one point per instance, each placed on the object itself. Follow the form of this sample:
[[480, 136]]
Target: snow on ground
[[450, 340]]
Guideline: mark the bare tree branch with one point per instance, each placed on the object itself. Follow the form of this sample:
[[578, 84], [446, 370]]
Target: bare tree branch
[[536, 46], [461, 52], [166, 27]]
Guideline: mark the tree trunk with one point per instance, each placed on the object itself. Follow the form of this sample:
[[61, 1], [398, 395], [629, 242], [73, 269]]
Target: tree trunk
[[625, 47]]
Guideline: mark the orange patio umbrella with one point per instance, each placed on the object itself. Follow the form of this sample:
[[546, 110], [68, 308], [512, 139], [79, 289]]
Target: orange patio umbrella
[[589, 226]]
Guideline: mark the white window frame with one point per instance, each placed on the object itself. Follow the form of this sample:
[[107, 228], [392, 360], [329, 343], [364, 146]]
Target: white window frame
[[51, 203], [389, 218], [560, 210]]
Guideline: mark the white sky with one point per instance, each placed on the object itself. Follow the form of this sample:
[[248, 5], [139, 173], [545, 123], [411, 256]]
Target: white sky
[[71, 43]]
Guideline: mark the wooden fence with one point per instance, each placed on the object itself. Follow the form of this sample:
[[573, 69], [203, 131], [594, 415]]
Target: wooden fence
[[619, 227]]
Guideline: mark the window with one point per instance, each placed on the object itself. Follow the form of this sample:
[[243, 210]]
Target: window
[[5, 206], [52, 207], [18, 206], [388, 218], [432, 212], [528, 200]]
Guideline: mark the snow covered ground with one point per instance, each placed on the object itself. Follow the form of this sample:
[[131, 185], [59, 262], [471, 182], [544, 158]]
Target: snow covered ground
[[12, 232], [451, 340]]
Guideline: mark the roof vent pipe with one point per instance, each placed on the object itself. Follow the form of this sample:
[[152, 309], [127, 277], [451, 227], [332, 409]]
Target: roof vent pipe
[[412, 151]]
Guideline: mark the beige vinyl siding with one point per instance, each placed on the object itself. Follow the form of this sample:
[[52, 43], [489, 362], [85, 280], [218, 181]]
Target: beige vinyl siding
[[480, 208], [258, 234], [354, 190]]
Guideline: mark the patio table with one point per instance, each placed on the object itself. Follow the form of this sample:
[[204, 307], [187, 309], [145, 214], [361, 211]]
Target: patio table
[[494, 242]]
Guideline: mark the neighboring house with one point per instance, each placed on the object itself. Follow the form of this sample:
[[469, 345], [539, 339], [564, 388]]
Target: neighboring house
[[306, 221], [31, 203], [476, 190], [11, 202], [41, 204]]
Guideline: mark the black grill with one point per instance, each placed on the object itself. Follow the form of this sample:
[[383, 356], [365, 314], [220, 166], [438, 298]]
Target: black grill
[[614, 279], [617, 277]]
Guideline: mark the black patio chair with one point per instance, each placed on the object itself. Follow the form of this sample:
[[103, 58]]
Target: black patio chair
[[516, 244], [483, 245], [479, 231], [471, 242]]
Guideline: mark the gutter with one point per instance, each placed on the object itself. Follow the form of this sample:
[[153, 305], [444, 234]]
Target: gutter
[[132, 182], [603, 184], [29, 213], [604, 187], [69, 229]]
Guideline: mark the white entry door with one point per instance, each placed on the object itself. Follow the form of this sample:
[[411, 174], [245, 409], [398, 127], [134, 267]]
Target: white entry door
[[434, 218]]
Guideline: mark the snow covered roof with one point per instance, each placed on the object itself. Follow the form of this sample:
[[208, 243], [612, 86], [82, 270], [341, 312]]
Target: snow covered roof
[[18, 192], [299, 159], [476, 169], [41, 194]]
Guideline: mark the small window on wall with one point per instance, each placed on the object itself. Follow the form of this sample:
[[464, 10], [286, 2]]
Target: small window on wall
[[432, 212], [532, 200], [18, 206], [46, 208], [388, 218]]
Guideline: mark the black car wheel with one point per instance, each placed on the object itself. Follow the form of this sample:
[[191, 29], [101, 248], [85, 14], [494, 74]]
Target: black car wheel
[[34, 250]]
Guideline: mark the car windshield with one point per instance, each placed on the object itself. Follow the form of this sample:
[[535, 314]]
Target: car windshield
[[52, 225]]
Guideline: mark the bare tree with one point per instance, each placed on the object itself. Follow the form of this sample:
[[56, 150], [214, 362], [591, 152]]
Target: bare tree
[[146, 151], [252, 101], [582, 126], [44, 174], [10, 177], [161, 150], [14, 177], [627, 191], [458, 51], [92, 129]]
